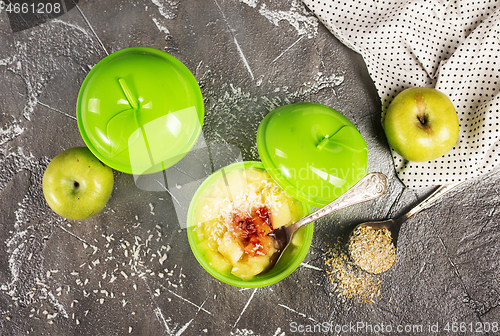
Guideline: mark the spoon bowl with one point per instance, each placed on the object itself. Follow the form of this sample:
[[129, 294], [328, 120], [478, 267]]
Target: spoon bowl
[[394, 225]]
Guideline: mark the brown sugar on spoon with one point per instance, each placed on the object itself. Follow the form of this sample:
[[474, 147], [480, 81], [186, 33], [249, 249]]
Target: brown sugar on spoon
[[372, 249]]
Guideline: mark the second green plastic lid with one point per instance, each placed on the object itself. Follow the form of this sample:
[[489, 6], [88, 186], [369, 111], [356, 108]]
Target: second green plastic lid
[[312, 151]]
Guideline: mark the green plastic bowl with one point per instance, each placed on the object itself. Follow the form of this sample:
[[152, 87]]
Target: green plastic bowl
[[140, 110], [290, 260]]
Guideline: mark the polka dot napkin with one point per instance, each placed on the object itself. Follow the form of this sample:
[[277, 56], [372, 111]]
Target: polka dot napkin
[[453, 46]]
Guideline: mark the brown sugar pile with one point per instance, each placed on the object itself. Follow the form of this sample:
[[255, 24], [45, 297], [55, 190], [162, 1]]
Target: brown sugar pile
[[347, 279], [372, 249]]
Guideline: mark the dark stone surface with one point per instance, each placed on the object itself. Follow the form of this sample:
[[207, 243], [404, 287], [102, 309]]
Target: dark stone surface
[[129, 269]]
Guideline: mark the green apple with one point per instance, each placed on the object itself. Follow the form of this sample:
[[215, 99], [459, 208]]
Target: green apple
[[421, 124], [76, 185]]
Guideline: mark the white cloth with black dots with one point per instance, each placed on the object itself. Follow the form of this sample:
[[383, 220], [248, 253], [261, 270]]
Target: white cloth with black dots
[[453, 46]]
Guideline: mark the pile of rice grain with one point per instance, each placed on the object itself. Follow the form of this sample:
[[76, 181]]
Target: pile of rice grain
[[347, 279]]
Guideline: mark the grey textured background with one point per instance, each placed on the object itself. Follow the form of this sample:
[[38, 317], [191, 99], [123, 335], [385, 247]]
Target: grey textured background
[[129, 270]]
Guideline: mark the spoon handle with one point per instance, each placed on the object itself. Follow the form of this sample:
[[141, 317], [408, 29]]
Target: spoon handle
[[430, 199], [368, 188]]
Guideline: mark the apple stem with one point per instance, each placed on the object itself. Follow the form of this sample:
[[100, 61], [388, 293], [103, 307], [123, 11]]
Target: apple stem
[[421, 107], [323, 143], [76, 184], [128, 93], [422, 119]]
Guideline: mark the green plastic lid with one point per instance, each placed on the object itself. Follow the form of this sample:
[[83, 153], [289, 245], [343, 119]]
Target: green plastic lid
[[312, 151], [140, 110]]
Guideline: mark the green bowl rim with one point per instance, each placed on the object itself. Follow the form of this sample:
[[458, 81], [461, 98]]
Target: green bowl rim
[[147, 50], [258, 280]]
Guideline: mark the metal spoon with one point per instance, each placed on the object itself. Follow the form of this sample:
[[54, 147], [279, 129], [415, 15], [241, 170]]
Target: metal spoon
[[394, 225], [368, 188]]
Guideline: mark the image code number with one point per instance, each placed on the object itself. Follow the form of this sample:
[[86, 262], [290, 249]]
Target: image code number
[[478, 327], [32, 8]]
